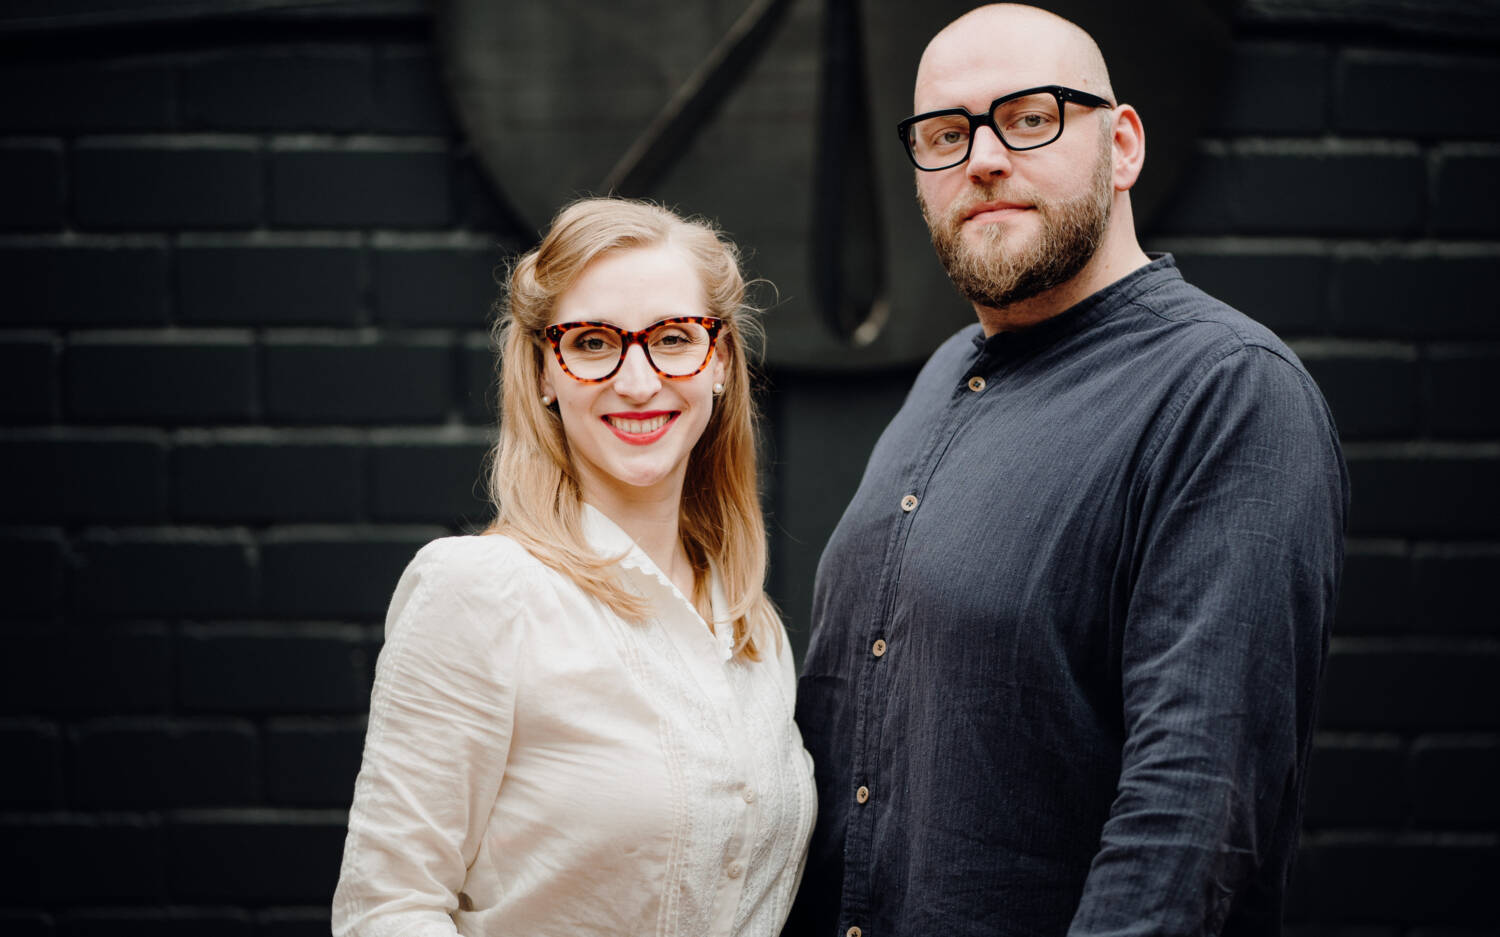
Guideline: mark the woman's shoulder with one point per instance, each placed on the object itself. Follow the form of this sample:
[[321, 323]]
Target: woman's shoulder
[[487, 572]]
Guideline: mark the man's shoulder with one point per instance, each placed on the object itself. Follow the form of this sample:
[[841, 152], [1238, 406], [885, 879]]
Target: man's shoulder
[[1203, 322]]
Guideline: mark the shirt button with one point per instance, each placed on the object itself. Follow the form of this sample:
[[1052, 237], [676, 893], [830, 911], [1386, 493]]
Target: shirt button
[[878, 648], [909, 503], [749, 795], [853, 932], [735, 870], [976, 384], [863, 794]]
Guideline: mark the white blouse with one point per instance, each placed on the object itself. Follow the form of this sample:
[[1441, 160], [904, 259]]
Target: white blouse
[[535, 765]]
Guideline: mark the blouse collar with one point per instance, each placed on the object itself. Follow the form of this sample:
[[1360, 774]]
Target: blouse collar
[[606, 538]]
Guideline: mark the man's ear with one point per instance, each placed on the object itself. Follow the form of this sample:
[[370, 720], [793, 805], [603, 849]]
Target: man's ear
[[1128, 146]]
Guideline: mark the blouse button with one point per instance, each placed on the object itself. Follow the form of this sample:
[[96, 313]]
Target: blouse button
[[909, 503], [734, 870], [863, 794], [853, 932], [749, 795], [878, 648], [976, 384]]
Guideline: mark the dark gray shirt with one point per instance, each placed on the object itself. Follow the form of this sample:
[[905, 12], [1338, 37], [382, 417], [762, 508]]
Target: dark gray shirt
[[1069, 633]]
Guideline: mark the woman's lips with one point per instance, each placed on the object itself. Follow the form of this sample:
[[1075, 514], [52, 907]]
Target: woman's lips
[[640, 429]]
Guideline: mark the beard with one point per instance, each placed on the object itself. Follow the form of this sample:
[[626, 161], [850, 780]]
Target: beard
[[997, 273]]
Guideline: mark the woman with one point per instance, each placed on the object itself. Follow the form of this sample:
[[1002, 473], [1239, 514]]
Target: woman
[[582, 721]]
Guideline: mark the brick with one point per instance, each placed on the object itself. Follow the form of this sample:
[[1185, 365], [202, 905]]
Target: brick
[[1405, 688], [1376, 594], [478, 206], [1424, 495], [272, 669], [28, 380], [1356, 783], [206, 186], [1462, 385], [125, 764], [359, 188], [80, 97], [1417, 297], [1361, 880], [479, 382], [260, 857], [1454, 587], [1370, 396], [104, 480], [1467, 200], [435, 287], [1391, 94], [18, 923], [313, 765], [163, 383], [441, 484], [1293, 193], [409, 95], [85, 285], [325, 578], [327, 90], [37, 746], [34, 572], [365, 384], [31, 186], [295, 922], [1274, 88], [270, 285], [1453, 782], [1288, 293], [123, 576], [268, 481], [81, 859], [149, 922], [116, 670]]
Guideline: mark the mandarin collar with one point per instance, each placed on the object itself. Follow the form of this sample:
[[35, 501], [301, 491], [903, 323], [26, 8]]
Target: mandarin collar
[[1086, 312]]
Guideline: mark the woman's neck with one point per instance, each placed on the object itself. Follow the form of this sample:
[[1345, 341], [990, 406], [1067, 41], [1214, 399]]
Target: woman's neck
[[653, 523]]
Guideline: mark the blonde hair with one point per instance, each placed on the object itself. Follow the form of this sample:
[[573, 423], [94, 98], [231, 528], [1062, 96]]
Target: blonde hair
[[533, 484]]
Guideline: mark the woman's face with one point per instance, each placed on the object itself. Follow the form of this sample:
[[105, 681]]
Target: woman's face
[[630, 435]]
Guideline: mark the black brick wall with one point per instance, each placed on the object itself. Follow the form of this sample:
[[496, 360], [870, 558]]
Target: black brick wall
[[244, 374]]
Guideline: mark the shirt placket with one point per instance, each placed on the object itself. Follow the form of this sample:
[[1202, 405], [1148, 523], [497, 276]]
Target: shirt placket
[[876, 656]]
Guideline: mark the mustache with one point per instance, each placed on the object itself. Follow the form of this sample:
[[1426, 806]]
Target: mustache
[[984, 194]]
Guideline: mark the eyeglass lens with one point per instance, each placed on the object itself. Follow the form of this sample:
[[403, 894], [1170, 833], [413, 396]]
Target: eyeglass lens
[[1024, 123], [677, 349]]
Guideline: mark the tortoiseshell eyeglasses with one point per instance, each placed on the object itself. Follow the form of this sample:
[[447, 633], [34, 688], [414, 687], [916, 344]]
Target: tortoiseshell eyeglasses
[[594, 351]]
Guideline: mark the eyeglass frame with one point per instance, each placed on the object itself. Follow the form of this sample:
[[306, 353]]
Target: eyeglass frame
[[1063, 95], [555, 333]]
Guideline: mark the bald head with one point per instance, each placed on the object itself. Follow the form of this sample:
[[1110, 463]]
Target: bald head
[[1029, 47]]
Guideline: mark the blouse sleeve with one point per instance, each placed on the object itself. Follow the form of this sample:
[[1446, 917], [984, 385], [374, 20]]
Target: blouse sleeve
[[441, 713]]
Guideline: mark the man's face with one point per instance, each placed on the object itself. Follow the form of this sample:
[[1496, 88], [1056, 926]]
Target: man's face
[[997, 261], [1009, 225]]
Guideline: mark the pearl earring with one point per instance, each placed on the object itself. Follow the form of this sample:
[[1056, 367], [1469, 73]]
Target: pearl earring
[[718, 389], [546, 400]]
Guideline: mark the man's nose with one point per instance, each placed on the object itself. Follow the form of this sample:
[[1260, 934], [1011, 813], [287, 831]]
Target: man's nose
[[636, 378], [987, 155]]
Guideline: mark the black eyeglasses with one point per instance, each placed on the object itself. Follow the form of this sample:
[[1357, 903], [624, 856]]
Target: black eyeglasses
[[1022, 120], [593, 351]]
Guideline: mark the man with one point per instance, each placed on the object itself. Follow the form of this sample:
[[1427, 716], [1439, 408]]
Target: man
[[1069, 633]]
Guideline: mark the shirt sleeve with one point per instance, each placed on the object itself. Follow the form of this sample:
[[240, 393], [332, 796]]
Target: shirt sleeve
[[1233, 573], [435, 751]]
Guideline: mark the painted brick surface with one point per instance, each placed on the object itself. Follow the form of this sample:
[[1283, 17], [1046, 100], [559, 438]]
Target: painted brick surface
[[31, 186], [132, 187], [245, 374], [270, 285], [122, 283]]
